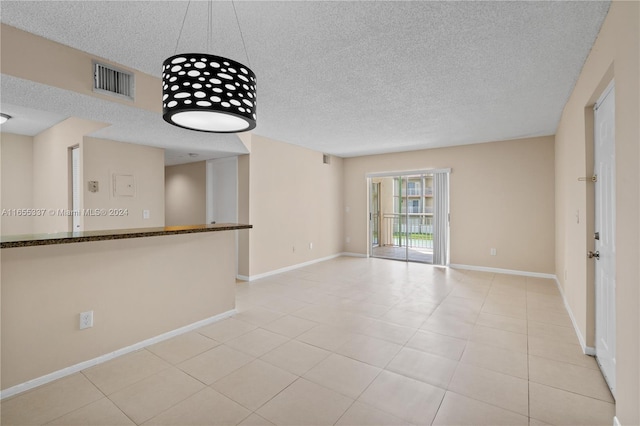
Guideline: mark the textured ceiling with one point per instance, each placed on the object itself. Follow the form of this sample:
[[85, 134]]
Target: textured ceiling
[[347, 78]]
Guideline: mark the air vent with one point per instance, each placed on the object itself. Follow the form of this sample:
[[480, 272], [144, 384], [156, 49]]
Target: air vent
[[326, 158], [112, 81]]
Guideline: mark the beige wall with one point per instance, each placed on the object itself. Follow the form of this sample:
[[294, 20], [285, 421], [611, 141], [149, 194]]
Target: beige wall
[[296, 200], [244, 214], [51, 171], [16, 153], [34, 58], [185, 194], [501, 196], [101, 159], [137, 288], [615, 55]]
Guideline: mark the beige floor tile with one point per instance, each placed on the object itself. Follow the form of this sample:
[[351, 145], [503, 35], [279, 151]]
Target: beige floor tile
[[100, 413], [360, 414], [418, 306], [516, 310], [123, 371], [206, 407], [536, 422], [326, 337], [425, 367], [508, 392], [470, 293], [549, 317], [257, 342], [500, 297], [254, 384], [226, 330], [448, 327], [390, 332], [456, 312], [409, 399], [183, 347], [215, 364], [569, 377], [255, 420], [494, 358], [563, 352], [344, 375], [545, 302], [258, 316], [151, 396], [458, 410], [558, 407], [285, 305], [552, 332], [502, 322], [48, 402], [437, 344], [500, 338], [542, 285], [305, 403], [290, 326], [370, 350], [295, 357], [405, 318]]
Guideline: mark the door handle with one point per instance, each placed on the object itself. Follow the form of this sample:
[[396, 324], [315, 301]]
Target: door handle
[[593, 254]]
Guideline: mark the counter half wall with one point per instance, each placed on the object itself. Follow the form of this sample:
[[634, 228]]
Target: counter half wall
[[138, 288]]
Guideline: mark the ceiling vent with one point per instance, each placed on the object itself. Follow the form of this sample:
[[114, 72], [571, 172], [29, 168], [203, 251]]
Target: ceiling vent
[[112, 81]]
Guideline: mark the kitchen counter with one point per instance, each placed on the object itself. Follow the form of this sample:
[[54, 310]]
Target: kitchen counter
[[9, 241]]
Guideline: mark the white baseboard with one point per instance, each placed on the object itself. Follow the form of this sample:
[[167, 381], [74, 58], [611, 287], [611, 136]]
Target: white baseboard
[[350, 254], [297, 266], [587, 350], [503, 271], [616, 422], [14, 390]]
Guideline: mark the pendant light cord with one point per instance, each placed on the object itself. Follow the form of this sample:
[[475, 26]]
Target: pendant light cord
[[241, 35], [182, 27]]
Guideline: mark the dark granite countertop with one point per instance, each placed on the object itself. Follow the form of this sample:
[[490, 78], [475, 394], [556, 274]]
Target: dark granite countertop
[[9, 241]]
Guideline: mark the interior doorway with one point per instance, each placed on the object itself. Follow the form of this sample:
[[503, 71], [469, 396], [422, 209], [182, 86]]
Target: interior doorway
[[403, 224]]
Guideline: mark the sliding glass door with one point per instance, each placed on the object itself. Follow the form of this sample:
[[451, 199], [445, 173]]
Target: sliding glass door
[[401, 217]]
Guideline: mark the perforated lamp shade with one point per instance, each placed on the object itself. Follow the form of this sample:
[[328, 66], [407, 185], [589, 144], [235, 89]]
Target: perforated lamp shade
[[208, 93]]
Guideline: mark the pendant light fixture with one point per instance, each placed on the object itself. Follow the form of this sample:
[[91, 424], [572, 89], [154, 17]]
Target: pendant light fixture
[[4, 118], [208, 93]]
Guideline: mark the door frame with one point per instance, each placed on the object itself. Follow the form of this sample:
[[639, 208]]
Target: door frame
[[611, 381], [402, 174]]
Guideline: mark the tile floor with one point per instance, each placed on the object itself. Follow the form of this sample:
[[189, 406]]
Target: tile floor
[[350, 342]]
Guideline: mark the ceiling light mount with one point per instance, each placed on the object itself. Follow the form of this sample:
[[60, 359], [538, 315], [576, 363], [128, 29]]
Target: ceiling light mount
[[208, 93]]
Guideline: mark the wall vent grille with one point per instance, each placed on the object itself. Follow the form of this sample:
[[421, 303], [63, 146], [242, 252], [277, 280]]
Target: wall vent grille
[[112, 81]]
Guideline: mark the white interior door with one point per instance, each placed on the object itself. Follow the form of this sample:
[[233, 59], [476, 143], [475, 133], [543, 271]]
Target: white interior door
[[605, 244], [222, 190]]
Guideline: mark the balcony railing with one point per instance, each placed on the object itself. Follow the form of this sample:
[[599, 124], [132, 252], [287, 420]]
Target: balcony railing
[[414, 230], [417, 191]]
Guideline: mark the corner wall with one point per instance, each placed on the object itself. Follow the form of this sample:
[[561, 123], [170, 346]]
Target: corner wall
[[615, 55], [16, 153], [295, 201], [501, 196], [101, 160]]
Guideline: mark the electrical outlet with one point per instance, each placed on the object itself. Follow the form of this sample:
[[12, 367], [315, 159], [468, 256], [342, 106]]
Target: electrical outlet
[[348, 240], [493, 252], [86, 320], [145, 214], [310, 246], [293, 248]]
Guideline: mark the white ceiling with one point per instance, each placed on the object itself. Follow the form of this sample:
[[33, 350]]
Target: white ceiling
[[346, 78]]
